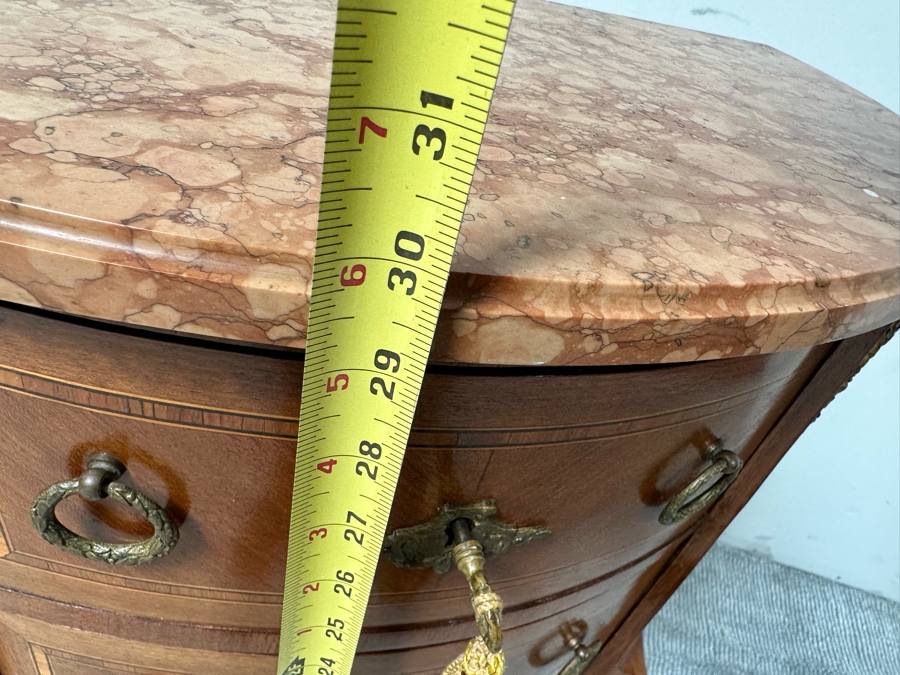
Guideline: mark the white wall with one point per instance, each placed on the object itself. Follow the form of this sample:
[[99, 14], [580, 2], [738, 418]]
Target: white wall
[[855, 42], [832, 507]]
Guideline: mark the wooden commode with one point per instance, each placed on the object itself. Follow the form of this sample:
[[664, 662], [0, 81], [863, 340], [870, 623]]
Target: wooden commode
[[678, 248]]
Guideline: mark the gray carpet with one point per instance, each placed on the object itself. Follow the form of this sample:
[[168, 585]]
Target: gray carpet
[[740, 614]]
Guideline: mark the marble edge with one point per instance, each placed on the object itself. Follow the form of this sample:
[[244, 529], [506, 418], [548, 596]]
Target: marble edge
[[228, 295]]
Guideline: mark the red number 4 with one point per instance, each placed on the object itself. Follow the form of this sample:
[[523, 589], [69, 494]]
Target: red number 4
[[326, 467], [366, 123]]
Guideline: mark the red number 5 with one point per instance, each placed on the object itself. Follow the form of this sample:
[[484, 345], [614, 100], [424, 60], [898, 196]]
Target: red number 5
[[342, 380], [356, 277]]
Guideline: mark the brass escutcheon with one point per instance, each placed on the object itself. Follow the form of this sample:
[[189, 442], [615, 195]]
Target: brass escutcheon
[[97, 482], [430, 544], [464, 534]]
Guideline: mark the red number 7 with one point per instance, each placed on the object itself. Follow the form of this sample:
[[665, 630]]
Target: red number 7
[[366, 123]]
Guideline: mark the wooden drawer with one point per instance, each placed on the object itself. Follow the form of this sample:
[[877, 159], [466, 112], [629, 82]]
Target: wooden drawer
[[65, 651], [209, 431]]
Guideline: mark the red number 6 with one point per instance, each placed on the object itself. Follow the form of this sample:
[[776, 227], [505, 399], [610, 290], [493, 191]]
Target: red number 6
[[356, 277]]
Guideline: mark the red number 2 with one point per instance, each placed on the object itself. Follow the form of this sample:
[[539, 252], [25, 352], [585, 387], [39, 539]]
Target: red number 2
[[310, 587], [341, 381], [366, 123]]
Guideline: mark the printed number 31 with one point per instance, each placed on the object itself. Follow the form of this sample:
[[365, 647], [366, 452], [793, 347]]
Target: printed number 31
[[430, 98]]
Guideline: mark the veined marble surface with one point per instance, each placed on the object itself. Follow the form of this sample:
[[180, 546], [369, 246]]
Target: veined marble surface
[[644, 194]]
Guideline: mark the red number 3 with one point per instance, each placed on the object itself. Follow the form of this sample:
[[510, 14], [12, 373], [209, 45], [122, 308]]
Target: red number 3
[[321, 533]]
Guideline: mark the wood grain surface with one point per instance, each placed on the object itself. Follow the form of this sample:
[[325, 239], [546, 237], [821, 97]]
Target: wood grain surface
[[841, 364], [207, 431]]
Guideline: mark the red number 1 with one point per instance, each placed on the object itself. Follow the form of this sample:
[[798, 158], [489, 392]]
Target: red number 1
[[366, 123]]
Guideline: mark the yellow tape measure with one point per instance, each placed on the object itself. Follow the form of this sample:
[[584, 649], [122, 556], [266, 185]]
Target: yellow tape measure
[[411, 85]]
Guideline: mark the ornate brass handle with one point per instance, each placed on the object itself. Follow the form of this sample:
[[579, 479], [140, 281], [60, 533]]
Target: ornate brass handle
[[469, 558], [686, 503], [484, 654], [473, 536], [98, 482]]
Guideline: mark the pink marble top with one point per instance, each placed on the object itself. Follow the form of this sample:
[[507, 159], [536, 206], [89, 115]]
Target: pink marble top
[[645, 193]]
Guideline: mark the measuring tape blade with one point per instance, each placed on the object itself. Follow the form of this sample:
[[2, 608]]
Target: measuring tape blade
[[411, 85]]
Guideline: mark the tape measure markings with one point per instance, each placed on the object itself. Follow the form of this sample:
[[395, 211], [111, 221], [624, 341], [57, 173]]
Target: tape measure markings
[[388, 224]]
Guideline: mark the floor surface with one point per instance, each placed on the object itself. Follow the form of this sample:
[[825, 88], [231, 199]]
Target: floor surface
[[741, 614]]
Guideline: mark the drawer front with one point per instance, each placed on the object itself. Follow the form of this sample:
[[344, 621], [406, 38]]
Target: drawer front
[[31, 647], [594, 456], [34, 647], [228, 493], [209, 434]]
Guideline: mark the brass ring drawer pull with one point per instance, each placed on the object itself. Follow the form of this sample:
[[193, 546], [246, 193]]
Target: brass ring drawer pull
[[573, 635], [686, 503], [97, 482]]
